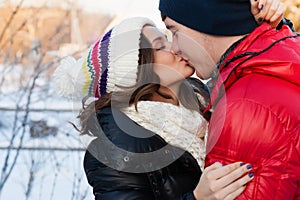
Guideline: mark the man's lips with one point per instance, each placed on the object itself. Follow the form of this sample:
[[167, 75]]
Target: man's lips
[[183, 59], [187, 61]]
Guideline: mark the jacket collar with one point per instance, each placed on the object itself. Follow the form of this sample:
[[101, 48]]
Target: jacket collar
[[254, 55]]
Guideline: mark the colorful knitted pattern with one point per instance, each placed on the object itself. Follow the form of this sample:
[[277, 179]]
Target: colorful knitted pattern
[[110, 64]]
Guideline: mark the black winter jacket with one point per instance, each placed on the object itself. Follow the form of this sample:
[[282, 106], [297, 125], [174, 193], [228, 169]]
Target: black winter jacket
[[120, 163]]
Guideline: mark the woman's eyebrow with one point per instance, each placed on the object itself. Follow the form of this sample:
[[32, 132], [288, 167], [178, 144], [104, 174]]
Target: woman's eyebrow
[[157, 39]]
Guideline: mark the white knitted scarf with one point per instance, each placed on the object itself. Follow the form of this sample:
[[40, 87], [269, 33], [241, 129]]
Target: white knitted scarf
[[177, 125]]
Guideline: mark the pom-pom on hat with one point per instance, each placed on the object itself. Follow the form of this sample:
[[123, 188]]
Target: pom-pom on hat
[[110, 64], [215, 17]]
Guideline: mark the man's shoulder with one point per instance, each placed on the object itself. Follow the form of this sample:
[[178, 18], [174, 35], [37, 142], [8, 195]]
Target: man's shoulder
[[276, 95], [258, 85]]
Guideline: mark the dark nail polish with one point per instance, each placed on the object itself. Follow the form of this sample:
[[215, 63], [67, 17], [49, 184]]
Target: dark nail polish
[[241, 164], [251, 175], [261, 6], [223, 165], [260, 19], [249, 166]]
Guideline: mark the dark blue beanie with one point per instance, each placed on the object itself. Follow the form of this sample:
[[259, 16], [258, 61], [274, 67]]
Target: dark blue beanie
[[215, 17]]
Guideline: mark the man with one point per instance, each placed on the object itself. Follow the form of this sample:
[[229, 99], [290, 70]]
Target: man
[[255, 88]]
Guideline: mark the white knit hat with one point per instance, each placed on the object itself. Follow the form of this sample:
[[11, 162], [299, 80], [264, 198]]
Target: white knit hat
[[112, 61]]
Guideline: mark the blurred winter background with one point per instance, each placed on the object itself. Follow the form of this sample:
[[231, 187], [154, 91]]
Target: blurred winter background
[[40, 153]]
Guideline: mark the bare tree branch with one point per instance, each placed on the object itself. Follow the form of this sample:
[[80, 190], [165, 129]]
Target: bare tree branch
[[13, 14], [32, 172], [6, 173]]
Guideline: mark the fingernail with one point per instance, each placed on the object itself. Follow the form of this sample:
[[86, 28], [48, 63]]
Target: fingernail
[[241, 164], [249, 166], [260, 19], [251, 174], [223, 165], [261, 6]]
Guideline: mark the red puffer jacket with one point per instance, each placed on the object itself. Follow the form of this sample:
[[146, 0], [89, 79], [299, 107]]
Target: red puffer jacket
[[258, 120]]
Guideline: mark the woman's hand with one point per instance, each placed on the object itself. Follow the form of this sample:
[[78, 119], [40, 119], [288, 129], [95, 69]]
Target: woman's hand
[[223, 182], [267, 10]]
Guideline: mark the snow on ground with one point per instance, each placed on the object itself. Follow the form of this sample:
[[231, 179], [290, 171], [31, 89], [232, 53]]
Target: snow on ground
[[55, 161], [57, 176]]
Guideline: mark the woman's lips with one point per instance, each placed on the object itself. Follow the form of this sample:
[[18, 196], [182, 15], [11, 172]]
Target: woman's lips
[[186, 61], [183, 59]]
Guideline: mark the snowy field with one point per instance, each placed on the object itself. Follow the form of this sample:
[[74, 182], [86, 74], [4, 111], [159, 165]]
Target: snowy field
[[56, 175], [47, 150], [49, 167]]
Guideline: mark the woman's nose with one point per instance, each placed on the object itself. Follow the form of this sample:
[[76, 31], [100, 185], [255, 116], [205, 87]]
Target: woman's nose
[[169, 47], [175, 48]]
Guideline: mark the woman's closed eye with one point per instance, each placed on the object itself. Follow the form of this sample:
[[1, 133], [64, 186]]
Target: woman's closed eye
[[162, 47], [159, 45]]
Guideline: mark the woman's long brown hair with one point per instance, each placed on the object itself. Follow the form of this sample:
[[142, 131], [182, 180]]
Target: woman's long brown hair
[[147, 84]]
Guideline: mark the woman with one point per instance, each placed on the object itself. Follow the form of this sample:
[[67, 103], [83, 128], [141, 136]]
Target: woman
[[149, 132], [135, 155]]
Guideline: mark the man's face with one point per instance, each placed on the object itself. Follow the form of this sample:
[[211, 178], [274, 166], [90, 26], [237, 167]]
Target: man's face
[[192, 46]]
